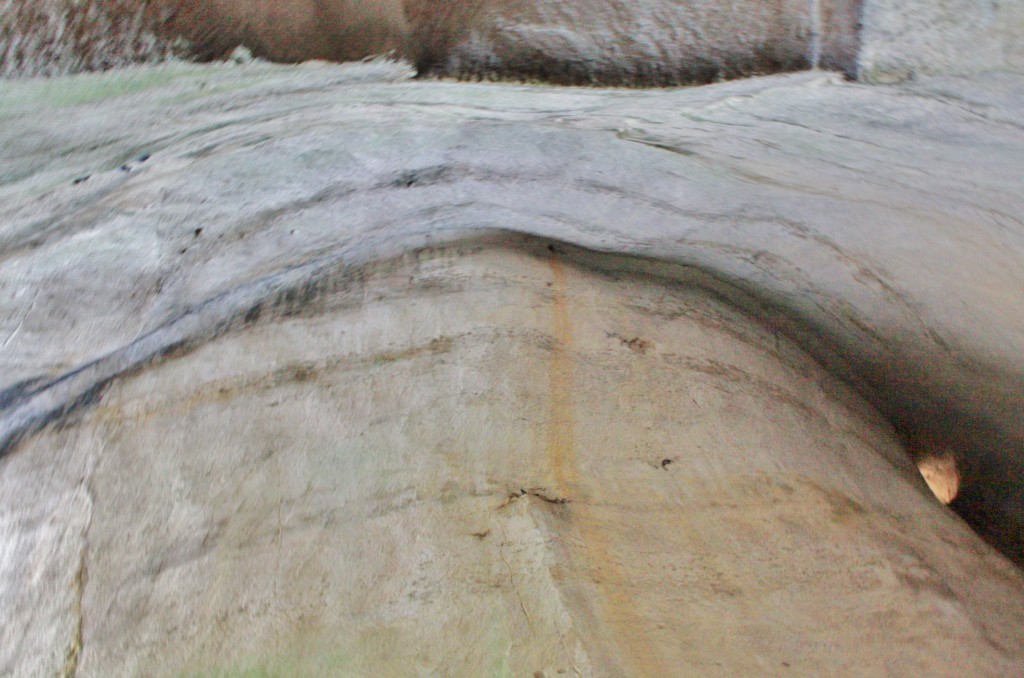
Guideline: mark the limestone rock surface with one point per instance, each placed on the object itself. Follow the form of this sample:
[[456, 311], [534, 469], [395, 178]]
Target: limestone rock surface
[[618, 42], [902, 39], [630, 43], [318, 371]]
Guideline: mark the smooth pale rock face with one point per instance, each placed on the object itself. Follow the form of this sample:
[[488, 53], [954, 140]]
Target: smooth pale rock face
[[492, 459], [292, 382], [902, 39]]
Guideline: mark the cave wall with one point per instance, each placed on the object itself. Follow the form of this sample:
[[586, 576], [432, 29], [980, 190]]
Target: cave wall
[[240, 435], [902, 39], [582, 42], [504, 456], [613, 42], [597, 41]]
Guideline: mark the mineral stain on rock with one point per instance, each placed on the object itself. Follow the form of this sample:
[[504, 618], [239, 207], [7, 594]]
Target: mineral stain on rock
[[561, 443], [382, 339]]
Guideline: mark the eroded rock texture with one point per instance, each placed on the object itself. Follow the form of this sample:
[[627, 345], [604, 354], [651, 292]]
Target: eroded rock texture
[[619, 42], [624, 43], [904, 39], [582, 42], [316, 371], [489, 459]]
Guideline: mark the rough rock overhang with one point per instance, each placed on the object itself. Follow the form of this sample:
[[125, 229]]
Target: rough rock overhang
[[152, 214], [861, 240]]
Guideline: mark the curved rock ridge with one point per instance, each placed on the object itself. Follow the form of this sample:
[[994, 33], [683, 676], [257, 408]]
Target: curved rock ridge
[[844, 206], [491, 457], [299, 303]]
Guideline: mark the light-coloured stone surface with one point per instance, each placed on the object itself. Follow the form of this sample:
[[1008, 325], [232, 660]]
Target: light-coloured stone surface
[[495, 460], [294, 384], [902, 39]]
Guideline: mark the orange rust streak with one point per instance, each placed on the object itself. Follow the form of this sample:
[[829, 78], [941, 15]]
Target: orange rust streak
[[561, 421], [594, 551]]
